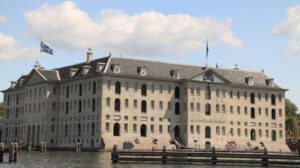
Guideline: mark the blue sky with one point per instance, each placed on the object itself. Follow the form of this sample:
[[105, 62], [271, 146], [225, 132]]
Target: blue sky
[[255, 35]]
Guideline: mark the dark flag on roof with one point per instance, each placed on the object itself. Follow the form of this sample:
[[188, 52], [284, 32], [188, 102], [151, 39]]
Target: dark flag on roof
[[46, 49]]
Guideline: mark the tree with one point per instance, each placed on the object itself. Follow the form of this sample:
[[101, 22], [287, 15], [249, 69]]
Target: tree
[[291, 117], [1, 109]]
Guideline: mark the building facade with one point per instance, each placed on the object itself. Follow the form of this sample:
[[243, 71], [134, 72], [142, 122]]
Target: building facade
[[143, 104]]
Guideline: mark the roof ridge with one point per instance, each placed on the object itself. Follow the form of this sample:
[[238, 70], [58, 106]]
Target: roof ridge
[[79, 63]]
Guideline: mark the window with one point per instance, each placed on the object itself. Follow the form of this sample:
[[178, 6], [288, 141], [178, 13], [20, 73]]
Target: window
[[223, 93], [144, 106], [279, 97], [259, 96], [246, 132], [135, 103], [198, 107], [231, 131], [217, 108], [280, 113], [177, 108], [143, 130], [280, 133], [246, 111], [231, 109], [252, 113], [126, 86], [135, 86], [192, 91], [152, 128], [223, 131], [198, 91], [223, 108], [266, 96], [267, 133], [67, 107], [217, 93], [79, 130], [93, 104], [273, 101], [80, 89], [152, 88], [94, 87], [144, 90], [273, 135], [198, 129], [160, 105], [161, 89], [259, 111], [108, 101], [160, 129], [126, 103], [252, 98], [79, 106], [116, 129], [231, 94], [207, 132], [152, 104], [169, 89], [253, 136], [207, 109], [245, 95], [260, 133], [238, 109], [117, 105], [218, 130], [108, 85], [266, 112], [192, 107], [192, 129], [207, 92], [134, 127], [177, 93], [117, 87], [273, 114], [238, 94], [239, 131]]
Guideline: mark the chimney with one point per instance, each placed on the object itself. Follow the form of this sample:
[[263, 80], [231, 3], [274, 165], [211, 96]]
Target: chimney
[[89, 56], [13, 84]]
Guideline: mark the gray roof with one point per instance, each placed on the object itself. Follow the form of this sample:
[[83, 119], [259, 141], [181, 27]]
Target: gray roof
[[155, 70]]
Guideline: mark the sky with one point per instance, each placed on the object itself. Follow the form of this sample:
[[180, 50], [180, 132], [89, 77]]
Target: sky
[[253, 35]]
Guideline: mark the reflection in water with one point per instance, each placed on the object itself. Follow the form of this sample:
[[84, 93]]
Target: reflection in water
[[84, 159]]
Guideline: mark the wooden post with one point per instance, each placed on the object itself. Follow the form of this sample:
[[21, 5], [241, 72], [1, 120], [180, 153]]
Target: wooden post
[[114, 156], [213, 156], [16, 152], [11, 152], [1, 151], [265, 159], [164, 155]]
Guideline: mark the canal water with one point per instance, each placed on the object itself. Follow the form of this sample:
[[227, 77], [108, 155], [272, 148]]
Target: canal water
[[60, 159]]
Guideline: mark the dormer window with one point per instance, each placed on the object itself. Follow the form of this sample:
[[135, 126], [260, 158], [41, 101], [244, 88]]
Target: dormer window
[[72, 72], [85, 69], [115, 68], [174, 74], [269, 82], [142, 70], [249, 80], [12, 84], [100, 66]]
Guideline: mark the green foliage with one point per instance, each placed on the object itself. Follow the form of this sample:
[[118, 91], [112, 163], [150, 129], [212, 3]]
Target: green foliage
[[1, 109], [291, 117]]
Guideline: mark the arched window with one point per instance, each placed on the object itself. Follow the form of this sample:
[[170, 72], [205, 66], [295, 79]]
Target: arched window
[[273, 135], [144, 106], [198, 129], [207, 109], [143, 130], [273, 101], [218, 130], [117, 87], [273, 114], [253, 135], [79, 129], [93, 129], [177, 108], [207, 145], [66, 130], [116, 129], [177, 131], [144, 90], [207, 132], [252, 98], [192, 129], [207, 92], [252, 112], [177, 93], [117, 105]]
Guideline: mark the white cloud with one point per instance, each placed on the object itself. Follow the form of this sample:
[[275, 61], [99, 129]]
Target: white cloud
[[4, 19], [145, 34], [10, 49], [290, 27]]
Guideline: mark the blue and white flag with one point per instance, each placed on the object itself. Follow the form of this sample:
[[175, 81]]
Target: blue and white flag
[[46, 49]]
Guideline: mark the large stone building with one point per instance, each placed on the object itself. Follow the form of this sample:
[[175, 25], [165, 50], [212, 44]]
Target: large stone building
[[145, 104]]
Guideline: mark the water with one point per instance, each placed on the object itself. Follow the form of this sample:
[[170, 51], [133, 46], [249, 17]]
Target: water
[[83, 160]]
